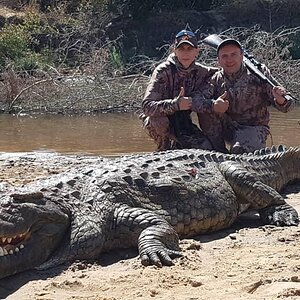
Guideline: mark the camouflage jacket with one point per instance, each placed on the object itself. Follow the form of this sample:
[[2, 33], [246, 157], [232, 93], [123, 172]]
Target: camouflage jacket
[[249, 97], [161, 97]]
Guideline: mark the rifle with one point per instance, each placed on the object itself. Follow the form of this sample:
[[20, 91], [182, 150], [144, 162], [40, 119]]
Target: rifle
[[252, 65]]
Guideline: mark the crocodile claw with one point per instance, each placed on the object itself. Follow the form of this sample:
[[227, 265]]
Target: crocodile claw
[[156, 253], [281, 215]]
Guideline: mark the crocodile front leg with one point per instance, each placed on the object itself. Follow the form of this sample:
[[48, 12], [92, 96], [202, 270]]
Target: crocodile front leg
[[157, 240], [250, 189]]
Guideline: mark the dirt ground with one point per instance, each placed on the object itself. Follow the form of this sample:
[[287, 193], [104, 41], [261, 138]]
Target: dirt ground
[[247, 261]]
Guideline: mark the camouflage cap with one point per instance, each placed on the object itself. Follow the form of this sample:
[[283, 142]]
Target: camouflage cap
[[229, 42], [186, 37]]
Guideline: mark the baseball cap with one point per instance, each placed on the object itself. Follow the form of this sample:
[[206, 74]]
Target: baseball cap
[[186, 37], [229, 42]]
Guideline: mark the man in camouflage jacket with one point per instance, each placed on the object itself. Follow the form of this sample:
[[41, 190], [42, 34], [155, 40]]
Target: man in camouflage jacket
[[241, 102], [167, 102]]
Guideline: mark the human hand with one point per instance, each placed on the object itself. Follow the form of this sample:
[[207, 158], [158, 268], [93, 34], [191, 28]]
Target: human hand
[[278, 93], [221, 104], [185, 103]]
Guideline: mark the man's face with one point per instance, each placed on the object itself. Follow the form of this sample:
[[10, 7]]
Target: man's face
[[186, 54], [230, 58]]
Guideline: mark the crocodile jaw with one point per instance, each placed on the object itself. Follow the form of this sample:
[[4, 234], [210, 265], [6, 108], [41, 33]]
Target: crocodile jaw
[[25, 243]]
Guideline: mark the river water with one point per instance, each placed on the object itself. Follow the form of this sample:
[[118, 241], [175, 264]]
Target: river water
[[106, 134]]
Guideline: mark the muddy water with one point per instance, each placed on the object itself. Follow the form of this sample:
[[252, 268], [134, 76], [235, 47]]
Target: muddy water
[[106, 134]]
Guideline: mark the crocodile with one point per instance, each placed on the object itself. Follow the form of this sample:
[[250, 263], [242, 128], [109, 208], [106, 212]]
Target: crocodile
[[148, 201]]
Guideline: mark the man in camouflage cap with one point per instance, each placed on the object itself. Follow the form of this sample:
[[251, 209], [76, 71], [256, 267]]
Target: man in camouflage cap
[[167, 103], [241, 101]]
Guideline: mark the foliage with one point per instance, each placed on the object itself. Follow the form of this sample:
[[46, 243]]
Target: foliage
[[17, 41], [14, 41], [70, 31], [102, 40], [140, 9], [116, 58], [295, 46]]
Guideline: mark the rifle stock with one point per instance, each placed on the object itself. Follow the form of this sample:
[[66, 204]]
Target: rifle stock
[[214, 40]]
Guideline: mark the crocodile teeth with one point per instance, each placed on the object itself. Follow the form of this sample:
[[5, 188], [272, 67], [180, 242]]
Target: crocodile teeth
[[21, 246], [11, 239], [4, 252]]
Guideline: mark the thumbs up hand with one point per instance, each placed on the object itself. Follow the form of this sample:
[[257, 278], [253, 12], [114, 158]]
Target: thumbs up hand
[[221, 104], [185, 103]]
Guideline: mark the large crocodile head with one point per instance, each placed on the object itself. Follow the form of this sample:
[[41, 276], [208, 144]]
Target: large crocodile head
[[31, 228]]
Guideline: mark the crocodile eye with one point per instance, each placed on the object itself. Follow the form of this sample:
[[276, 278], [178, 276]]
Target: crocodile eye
[[36, 197]]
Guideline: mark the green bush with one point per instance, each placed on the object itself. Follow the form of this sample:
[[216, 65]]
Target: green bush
[[14, 41], [33, 61], [17, 43], [115, 57]]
